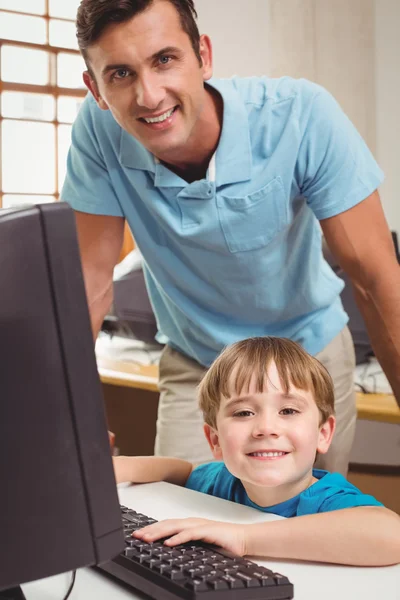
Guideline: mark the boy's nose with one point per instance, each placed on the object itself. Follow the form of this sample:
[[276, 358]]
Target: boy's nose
[[265, 427]]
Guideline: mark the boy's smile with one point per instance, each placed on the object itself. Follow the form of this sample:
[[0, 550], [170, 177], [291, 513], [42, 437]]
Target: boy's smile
[[269, 439]]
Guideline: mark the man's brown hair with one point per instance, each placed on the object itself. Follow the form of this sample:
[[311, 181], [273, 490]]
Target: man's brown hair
[[94, 16], [251, 358]]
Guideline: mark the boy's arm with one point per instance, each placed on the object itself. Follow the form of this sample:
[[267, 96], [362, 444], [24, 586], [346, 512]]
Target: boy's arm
[[147, 469], [363, 536]]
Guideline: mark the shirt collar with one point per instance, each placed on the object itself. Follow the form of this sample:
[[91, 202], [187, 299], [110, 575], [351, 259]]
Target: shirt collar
[[233, 155]]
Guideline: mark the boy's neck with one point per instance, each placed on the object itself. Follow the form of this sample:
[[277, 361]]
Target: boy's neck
[[270, 496]]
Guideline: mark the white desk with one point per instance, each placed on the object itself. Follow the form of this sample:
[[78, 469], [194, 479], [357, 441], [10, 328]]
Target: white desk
[[312, 581]]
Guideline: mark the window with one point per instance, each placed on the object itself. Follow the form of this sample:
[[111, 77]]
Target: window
[[41, 90]]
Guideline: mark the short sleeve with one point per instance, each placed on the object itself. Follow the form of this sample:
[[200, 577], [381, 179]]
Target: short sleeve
[[203, 477], [347, 499], [335, 168], [87, 186], [332, 492]]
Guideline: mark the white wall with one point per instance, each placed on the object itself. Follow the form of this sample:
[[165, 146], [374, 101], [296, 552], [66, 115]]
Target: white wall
[[387, 22], [329, 42], [352, 47], [238, 32]]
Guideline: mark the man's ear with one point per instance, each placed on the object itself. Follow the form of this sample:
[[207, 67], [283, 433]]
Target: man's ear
[[326, 434], [206, 57], [92, 87], [213, 441]]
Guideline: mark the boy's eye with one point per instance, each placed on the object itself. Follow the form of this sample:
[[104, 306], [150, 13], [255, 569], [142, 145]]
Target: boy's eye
[[243, 413], [289, 411]]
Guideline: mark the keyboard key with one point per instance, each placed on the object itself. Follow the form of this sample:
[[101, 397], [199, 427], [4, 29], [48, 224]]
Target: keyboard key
[[174, 573], [248, 580], [218, 584], [233, 582], [281, 579], [196, 585]]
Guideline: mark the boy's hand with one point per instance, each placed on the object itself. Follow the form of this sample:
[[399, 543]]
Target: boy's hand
[[230, 536]]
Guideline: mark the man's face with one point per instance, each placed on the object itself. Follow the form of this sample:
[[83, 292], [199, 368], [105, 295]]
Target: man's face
[[269, 439], [146, 72]]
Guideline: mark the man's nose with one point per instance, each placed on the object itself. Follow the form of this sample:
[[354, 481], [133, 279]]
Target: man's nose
[[149, 94]]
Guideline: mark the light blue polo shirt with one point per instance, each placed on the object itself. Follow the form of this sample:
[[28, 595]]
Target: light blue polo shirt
[[237, 254]]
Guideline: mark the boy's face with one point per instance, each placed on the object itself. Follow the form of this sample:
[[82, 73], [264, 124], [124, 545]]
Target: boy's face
[[146, 68], [269, 440]]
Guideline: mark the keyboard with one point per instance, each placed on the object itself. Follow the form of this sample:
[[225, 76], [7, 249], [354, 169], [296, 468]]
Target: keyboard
[[191, 571]]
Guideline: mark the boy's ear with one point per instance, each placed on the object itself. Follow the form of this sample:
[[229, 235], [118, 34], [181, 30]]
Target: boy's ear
[[213, 441], [326, 434]]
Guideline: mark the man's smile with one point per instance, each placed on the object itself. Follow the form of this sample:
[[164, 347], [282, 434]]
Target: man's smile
[[161, 117]]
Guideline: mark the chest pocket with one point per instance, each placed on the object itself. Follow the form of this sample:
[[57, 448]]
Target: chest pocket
[[252, 221]]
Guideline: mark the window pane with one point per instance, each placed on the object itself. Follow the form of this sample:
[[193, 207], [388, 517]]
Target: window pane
[[37, 7], [64, 142], [62, 33], [22, 28], [28, 157], [27, 106], [11, 201], [68, 108], [70, 69], [21, 65], [63, 8]]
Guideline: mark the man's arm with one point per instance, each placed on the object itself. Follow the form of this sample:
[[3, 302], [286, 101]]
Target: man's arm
[[363, 536], [361, 241], [147, 469], [100, 242]]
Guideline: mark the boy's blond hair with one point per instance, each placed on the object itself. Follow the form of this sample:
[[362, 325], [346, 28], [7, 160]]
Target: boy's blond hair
[[251, 357]]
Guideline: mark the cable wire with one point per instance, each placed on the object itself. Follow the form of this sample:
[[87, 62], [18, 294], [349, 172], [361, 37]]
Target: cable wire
[[71, 586]]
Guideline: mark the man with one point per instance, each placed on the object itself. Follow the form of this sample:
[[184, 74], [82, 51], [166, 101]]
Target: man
[[222, 184]]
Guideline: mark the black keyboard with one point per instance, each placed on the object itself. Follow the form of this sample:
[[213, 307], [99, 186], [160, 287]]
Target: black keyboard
[[190, 571]]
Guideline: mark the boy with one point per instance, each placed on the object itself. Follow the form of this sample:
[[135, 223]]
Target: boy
[[268, 410]]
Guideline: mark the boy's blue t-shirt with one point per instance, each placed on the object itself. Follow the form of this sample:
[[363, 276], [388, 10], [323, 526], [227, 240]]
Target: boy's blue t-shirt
[[331, 492]]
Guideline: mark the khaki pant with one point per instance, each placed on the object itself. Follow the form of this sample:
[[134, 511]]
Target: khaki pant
[[180, 422]]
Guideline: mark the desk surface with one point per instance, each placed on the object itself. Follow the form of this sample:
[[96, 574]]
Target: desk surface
[[372, 407], [312, 581]]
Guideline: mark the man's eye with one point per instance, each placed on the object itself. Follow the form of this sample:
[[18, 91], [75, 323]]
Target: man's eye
[[164, 60], [120, 74], [289, 411]]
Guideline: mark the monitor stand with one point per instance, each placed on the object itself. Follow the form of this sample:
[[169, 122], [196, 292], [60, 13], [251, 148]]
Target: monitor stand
[[12, 594]]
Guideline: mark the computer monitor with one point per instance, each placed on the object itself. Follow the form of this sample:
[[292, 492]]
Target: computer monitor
[[59, 507]]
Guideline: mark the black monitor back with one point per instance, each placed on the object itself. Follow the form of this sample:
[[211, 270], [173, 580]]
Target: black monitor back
[[58, 502]]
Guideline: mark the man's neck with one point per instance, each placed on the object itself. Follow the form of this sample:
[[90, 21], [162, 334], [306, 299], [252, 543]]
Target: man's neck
[[203, 144]]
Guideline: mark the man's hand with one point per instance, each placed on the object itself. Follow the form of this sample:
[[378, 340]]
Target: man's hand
[[230, 536]]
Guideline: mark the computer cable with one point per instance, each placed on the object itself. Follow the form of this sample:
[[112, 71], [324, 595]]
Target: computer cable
[[71, 586]]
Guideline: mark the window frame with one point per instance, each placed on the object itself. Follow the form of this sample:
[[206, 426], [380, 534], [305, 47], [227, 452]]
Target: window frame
[[51, 89]]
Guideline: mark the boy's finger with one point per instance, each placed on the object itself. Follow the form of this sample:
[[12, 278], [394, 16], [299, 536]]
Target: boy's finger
[[152, 532], [162, 529], [182, 537], [191, 534]]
